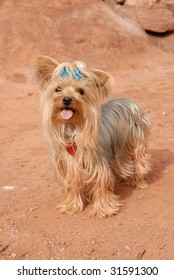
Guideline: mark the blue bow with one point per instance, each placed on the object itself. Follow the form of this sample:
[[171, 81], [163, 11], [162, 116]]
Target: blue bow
[[76, 75]]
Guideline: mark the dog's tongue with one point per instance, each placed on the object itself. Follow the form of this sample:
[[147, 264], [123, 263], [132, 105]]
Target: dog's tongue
[[66, 114]]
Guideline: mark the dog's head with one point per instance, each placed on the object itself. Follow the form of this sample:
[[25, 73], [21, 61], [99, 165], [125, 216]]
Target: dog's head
[[71, 92]]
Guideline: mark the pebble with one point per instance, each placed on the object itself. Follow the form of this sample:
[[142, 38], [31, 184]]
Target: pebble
[[127, 247], [33, 209], [8, 188], [13, 255], [162, 246]]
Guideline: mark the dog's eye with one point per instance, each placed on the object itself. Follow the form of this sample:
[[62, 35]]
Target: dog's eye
[[58, 89], [80, 91]]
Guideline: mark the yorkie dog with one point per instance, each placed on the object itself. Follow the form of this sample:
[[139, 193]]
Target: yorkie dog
[[91, 144]]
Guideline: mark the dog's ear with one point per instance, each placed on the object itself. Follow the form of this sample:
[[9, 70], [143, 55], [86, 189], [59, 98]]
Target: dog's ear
[[103, 81], [43, 68]]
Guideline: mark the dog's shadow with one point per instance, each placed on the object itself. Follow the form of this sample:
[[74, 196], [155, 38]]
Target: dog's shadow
[[161, 159]]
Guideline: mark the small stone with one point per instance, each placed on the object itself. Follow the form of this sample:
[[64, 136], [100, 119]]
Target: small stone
[[8, 188], [127, 247], [162, 246], [14, 255], [30, 93], [121, 2], [93, 258], [32, 209], [146, 3]]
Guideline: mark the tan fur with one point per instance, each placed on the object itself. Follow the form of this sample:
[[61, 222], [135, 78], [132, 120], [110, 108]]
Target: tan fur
[[111, 139]]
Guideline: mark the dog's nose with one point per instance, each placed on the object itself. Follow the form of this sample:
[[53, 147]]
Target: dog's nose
[[67, 101]]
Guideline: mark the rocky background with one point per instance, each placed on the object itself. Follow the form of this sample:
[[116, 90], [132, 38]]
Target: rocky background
[[134, 41]]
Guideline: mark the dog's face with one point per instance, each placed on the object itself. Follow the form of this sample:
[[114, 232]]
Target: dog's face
[[69, 102], [71, 92], [73, 98]]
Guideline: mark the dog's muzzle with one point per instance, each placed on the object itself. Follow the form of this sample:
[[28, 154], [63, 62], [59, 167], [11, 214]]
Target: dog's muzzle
[[67, 101]]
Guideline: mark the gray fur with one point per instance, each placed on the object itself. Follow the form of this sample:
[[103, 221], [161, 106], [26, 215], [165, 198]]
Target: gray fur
[[123, 125]]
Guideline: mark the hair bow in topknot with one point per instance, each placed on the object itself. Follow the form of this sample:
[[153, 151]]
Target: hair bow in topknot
[[76, 74]]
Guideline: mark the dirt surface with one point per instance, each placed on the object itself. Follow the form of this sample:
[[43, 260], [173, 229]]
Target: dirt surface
[[143, 68]]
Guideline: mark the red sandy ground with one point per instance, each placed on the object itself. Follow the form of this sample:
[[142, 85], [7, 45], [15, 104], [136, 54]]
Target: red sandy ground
[[143, 68]]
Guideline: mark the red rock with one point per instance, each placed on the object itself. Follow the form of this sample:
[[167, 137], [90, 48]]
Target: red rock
[[146, 3], [156, 19], [120, 1], [152, 15]]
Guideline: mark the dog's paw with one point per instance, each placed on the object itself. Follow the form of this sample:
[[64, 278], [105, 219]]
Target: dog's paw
[[70, 207], [104, 209], [138, 185]]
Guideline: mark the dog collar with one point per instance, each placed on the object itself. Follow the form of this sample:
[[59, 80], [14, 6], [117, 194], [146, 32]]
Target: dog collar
[[71, 148], [76, 74]]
